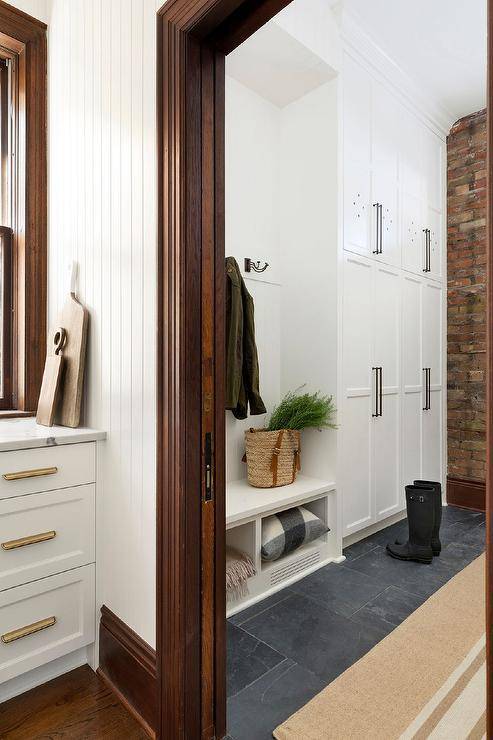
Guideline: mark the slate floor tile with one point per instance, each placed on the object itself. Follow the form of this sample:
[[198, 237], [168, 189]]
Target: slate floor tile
[[388, 609], [259, 607], [417, 578], [248, 659], [340, 590], [314, 637], [257, 710], [457, 555], [359, 548], [456, 514]]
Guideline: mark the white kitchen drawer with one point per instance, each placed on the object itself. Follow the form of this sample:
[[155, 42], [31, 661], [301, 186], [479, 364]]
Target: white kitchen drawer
[[68, 598], [62, 521], [47, 468]]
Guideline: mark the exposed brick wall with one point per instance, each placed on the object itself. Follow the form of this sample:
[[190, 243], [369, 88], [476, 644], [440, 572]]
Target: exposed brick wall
[[466, 297]]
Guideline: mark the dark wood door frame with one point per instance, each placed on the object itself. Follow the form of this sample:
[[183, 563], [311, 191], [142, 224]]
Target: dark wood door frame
[[489, 389], [193, 38]]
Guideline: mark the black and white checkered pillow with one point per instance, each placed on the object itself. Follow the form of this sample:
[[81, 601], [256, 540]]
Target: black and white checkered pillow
[[284, 532]]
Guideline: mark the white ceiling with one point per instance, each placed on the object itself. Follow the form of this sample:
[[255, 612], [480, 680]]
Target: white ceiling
[[277, 66], [440, 43]]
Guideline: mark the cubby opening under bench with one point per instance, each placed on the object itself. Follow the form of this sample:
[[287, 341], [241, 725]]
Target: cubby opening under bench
[[247, 507]]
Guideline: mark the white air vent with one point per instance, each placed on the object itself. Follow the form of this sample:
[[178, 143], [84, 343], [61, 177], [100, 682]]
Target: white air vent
[[295, 566]]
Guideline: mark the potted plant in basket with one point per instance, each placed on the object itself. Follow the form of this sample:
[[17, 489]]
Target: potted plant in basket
[[273, 455]]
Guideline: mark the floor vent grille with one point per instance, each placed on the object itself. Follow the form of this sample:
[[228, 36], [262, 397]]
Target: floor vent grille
[[294, 567]]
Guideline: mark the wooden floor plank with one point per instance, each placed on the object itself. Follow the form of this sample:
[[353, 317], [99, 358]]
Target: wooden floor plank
[[75, 706]]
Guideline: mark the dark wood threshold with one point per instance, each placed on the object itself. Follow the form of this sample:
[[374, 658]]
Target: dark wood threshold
[[468, 494], [127, 664]]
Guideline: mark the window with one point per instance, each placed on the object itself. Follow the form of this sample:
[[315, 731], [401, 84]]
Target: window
[[23, 210]]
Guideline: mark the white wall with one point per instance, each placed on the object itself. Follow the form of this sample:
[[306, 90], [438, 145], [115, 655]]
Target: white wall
[[37, 8], [252, 230], [102, 192], [281, 208]]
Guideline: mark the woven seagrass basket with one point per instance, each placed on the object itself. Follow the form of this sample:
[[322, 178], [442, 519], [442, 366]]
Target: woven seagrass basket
[[272, 458]]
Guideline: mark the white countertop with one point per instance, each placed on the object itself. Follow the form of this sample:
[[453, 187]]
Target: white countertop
[[24, 433], [243, 501]]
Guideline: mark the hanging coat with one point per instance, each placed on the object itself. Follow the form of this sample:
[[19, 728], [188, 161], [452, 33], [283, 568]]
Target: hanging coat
[[242, 372]]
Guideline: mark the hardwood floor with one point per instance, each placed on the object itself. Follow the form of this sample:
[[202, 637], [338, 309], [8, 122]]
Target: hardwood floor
[[75, 706]]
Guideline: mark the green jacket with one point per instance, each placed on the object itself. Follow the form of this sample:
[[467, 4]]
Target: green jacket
[[242, 375]]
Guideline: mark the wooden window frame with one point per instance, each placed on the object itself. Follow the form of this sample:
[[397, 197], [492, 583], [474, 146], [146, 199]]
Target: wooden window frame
[[23, 39]]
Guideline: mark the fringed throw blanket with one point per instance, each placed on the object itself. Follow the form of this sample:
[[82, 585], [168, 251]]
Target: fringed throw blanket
[[239, 567]]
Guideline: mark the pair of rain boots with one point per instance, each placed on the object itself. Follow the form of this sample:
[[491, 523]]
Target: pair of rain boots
[[424, 515]]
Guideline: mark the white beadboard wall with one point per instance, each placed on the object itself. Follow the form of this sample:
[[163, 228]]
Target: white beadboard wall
[[102, 213]]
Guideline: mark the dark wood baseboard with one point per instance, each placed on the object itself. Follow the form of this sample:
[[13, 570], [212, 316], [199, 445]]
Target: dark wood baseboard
[[469, 494], [128, 665]]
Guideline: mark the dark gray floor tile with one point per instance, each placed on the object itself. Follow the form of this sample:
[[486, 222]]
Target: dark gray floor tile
[[257, 710], [414, 577], [248, 659], [259, 607], [359, 548], [340, 590], [397, 531], [388, 609], [458, 555], [314, 637], [456, 514], [475, 538]]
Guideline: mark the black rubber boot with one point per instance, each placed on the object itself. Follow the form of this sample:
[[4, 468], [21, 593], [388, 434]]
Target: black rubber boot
[[421, 519], [436, 545]]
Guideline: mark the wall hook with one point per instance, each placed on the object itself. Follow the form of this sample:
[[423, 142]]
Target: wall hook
[[255, 266]]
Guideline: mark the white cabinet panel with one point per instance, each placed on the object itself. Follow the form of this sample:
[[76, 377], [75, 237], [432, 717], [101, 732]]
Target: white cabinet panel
[[434, 223], [432, 438], [432, 330], [412, 235], [357, 208], [356, 112], [357, 464], [411, 448], [411, 157], [433, 149], [66, 597], [357, 331], [386, 324], [411, 332], [65, 517], [386, 456]]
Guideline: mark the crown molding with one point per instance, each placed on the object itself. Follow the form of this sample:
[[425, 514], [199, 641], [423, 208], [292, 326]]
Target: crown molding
[[357, 42]]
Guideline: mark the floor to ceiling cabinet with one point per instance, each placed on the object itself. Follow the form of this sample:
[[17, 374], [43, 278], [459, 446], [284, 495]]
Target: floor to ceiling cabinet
[[392, 300]]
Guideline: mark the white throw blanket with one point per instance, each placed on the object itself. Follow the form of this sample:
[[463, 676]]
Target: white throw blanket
[[239, 567]]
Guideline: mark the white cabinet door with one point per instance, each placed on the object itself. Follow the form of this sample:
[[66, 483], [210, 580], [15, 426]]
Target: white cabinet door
[[412, 235], [434, 224], [412, 377], [411, 157], [432, 297], [357, 152], [385, 149], [386, 428], [433, 149], [356, 423]]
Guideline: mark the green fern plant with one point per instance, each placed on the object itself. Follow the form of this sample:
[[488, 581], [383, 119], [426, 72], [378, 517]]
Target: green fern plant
[[300, 411]]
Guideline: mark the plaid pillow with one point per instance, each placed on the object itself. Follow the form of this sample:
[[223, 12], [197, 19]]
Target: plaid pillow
[[284, 532]]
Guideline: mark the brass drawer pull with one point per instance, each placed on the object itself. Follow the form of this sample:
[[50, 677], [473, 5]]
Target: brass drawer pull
[[29, 473], [29, 629], [32, 539]]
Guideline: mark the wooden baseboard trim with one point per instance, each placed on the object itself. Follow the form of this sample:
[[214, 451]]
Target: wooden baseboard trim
[[128, 665], [469, 494]]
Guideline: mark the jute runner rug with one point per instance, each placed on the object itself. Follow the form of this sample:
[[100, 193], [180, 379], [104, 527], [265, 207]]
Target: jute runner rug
[[425, 680]]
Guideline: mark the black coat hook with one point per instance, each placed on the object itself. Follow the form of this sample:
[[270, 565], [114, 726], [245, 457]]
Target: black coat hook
[[255, 266]]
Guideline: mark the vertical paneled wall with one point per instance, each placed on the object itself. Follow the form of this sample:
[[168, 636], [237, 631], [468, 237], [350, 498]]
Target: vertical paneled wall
[[102, 213]]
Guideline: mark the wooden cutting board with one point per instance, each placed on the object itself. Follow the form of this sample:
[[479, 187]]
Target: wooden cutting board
[[50, 386], [74, 318]]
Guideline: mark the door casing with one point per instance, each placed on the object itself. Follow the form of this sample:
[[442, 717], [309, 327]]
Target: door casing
[[194, 37]]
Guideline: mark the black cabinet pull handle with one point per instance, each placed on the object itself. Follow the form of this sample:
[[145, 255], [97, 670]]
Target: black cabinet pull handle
[[427, 372], [381, 391], [379, 229], [375, 414], [426, 268]]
